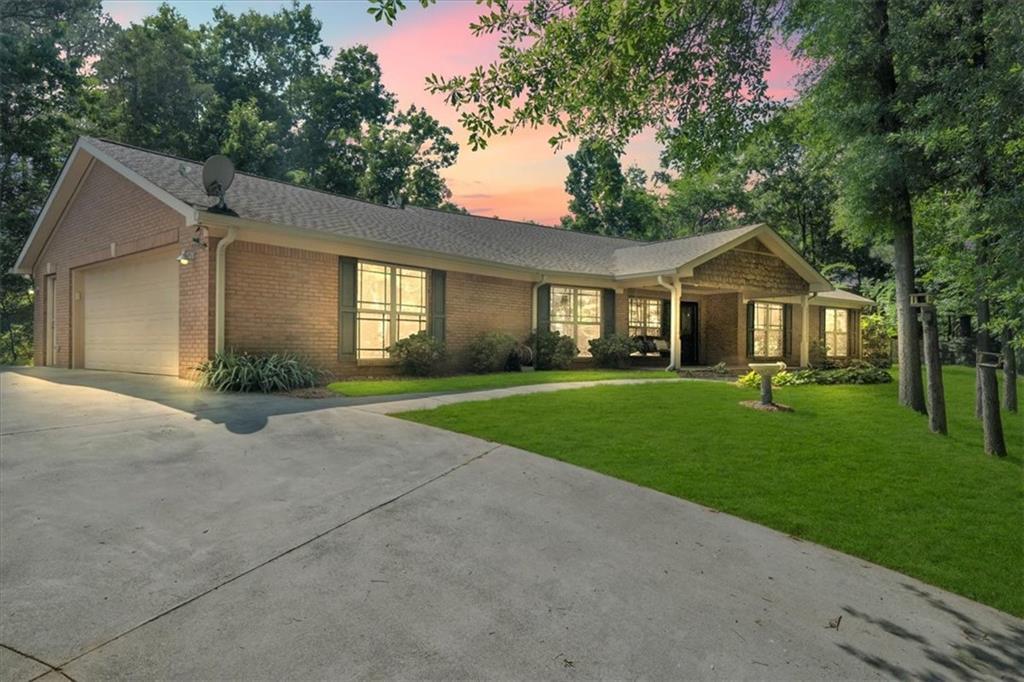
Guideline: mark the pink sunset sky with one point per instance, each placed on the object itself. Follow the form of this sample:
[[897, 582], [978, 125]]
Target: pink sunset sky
[[519, 177]]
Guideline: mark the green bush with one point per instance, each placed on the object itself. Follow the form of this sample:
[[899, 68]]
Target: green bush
[[874, 340], [245, 372], [489, 352], [552, 350], [857, 372], [420, 355], [613, 351]]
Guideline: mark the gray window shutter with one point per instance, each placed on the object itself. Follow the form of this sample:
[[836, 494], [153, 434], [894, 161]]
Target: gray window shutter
[[750, 329], [821, 324], [436, 311], [787, 329], [607, 312], [853, 332], [544, 307], [666, 319], [347, 308]]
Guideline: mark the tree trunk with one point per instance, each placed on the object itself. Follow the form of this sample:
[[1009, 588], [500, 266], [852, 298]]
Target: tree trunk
[[978, 393], [991, 420], [911, 388], [933, 363], [1009, 374]]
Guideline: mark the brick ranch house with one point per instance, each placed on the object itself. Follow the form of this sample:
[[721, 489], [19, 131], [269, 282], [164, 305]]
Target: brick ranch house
[[338, 279]]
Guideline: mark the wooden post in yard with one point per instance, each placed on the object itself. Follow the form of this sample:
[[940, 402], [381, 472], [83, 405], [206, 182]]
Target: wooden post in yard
[[932, 363]]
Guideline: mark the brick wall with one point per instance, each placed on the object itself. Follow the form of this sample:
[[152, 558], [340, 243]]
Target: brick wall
[[196, 306], [279, 299], [720, 331], [475, 303], [622, 314], [107, 210]]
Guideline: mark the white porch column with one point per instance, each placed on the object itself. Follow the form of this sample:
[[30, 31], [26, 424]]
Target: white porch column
[[805, 328], [677, 294]]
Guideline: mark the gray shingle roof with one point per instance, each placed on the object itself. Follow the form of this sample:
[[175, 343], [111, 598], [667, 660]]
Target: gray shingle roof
[[503, 242]]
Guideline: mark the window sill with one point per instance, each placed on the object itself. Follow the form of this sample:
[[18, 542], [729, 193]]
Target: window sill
[[377, 362]]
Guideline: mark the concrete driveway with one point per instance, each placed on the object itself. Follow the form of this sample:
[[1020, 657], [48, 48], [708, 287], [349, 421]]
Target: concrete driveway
[[152, 530]]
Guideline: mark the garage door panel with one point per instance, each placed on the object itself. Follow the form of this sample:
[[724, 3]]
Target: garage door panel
[[131, 316]]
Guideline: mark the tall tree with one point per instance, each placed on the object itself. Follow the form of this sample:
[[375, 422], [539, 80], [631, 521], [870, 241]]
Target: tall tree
[[969, 119], [150, 90], [604, 199], [855, 100], [41, 84], [707, 199], [254, 86]]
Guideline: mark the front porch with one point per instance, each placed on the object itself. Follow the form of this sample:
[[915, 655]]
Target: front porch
[[748, 303]]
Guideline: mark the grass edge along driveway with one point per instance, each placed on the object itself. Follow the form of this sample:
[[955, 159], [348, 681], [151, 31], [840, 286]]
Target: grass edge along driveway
[[849, 469], [479, 382]]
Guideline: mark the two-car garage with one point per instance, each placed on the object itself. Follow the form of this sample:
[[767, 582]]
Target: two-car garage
[[129, 310]]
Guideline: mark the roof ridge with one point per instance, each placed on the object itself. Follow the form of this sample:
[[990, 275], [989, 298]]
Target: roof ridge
[[528, 223], [670, 240]]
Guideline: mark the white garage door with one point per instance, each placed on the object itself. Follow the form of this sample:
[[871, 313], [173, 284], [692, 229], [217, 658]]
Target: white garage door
[[131, 315]]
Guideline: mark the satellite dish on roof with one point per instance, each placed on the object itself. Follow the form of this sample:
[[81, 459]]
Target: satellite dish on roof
[[218, 174]]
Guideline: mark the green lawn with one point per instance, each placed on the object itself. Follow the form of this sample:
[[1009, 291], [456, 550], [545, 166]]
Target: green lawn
[[477, 382], [849, 468]]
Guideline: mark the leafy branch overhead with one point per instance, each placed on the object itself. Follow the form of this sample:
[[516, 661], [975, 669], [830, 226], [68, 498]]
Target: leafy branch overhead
[[693, 70]]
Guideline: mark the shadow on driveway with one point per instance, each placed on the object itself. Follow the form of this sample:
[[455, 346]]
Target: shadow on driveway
[[240, 413], [982, 653]]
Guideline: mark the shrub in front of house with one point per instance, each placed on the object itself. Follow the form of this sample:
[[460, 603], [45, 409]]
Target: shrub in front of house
[[874, 338], [858, 372], [520, 358], [253, 372], [552, 350], [489, 352], [613, 351], [420, 355]]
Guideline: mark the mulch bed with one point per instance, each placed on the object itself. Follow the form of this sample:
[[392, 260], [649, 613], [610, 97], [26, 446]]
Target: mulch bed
[[312, 393]]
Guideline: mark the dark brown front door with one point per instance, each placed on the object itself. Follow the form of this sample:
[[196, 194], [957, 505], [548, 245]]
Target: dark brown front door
[[689, 337]]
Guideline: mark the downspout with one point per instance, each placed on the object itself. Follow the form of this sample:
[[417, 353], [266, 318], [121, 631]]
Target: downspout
[[220, 277], [673, 340], [533, 301]]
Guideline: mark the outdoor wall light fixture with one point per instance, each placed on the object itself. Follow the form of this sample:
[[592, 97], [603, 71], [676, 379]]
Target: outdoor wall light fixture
[[188, 253]]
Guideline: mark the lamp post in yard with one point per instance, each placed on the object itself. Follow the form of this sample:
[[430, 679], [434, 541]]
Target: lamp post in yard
[[932, 362]]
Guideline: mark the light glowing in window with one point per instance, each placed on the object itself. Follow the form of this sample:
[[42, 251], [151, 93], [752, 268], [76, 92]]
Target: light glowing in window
[[576, 313], [391, 304]]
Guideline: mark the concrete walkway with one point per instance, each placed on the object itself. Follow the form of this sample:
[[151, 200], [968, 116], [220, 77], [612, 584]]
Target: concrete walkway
[[267, 537], [404, 403]]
